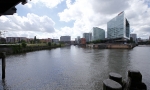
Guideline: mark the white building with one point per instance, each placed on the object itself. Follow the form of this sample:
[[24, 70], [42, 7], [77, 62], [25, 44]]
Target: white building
[[15, 39], [98, 34], [118, 27], [87, 36], [65, 38]]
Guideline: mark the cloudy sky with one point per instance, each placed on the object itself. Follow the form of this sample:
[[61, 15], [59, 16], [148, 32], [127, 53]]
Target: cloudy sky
[[55, 18]]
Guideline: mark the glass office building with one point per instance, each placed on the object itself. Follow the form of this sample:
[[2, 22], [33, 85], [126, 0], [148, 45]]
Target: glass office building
[[98, 34], [87, 36], [118, 27]]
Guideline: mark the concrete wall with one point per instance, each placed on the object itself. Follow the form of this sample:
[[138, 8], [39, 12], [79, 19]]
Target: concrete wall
[[110, 46]]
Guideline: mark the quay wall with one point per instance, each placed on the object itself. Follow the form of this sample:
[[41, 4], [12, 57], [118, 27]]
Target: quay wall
[[18, 49], [110, 46]]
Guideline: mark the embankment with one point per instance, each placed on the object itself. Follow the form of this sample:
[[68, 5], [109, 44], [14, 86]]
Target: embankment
[[15, 49], [111, 46]]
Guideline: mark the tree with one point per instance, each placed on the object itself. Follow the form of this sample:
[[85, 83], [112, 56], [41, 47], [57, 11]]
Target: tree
[[49, 44], [24, 44], [34, 39]]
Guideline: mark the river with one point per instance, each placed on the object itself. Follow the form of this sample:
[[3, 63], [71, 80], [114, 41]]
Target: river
[[72, 68]]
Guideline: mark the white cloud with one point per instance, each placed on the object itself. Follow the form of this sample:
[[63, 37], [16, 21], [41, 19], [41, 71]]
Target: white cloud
[[28, 5], [85, 14], [48, 3], [89, 13], [32, 22]]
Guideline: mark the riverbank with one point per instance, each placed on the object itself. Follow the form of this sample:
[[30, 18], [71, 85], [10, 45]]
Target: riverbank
[[15, 49], [111, 46]]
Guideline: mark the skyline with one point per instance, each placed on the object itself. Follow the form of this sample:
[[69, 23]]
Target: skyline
[[52, 19]]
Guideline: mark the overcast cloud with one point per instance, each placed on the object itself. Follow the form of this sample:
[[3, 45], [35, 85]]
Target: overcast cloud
[[84, 14]]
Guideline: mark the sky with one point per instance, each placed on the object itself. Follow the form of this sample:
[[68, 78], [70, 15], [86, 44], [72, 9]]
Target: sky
[[55, 18]]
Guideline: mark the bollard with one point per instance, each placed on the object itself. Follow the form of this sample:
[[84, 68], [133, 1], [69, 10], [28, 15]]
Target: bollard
[[116, 77], [3, 55], [135, 80], [109, 84], [135, 77]]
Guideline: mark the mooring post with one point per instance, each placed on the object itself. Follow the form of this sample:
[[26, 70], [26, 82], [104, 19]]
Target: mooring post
[[3, 55]]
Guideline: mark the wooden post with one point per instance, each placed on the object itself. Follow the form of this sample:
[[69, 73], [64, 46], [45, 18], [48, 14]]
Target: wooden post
[[3, 55]]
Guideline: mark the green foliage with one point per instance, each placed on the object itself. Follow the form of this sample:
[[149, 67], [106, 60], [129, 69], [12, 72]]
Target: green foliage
[[96, 41], [49, 44], [34, 39], [16, 48], [55, 44], [24, 45]]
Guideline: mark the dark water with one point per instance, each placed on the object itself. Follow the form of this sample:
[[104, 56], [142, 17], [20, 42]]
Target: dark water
[[72, 68]]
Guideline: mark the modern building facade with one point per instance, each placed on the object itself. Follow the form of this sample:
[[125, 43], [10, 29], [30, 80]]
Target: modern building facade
[[134, 37], [118, 27], [15, 39], [55, 41], [87, 36], [98, 34], [66, 40], [77, 40]]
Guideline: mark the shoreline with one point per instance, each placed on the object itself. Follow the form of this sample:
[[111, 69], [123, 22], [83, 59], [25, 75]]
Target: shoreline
[[17, 49], [111, 46]]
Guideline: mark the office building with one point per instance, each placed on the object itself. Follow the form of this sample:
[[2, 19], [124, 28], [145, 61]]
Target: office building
[[77, 40], [65, 38], [55, 41], [98, 34], [15, 39], [87, 36], [118, 27], [134, 37]]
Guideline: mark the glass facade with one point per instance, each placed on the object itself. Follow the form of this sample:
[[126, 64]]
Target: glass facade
[[87, 36], [118, 27], [98, 33]]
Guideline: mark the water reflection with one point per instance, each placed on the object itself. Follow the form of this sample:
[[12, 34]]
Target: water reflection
[[118, 61], [72, 68], [3, 85]]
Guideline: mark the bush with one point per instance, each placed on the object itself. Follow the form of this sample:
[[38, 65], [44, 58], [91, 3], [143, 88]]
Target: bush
[[49, 44], [23, 44]]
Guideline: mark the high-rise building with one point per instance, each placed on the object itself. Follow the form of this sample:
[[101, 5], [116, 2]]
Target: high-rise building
[[134, 37], [98, 34], [87, 36], [65, 38], [77, 40], [118, 27]]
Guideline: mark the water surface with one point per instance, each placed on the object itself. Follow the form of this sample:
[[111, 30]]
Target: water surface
[[72, 68]]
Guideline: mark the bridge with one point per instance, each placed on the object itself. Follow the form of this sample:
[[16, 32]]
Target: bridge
[[7, 7]]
